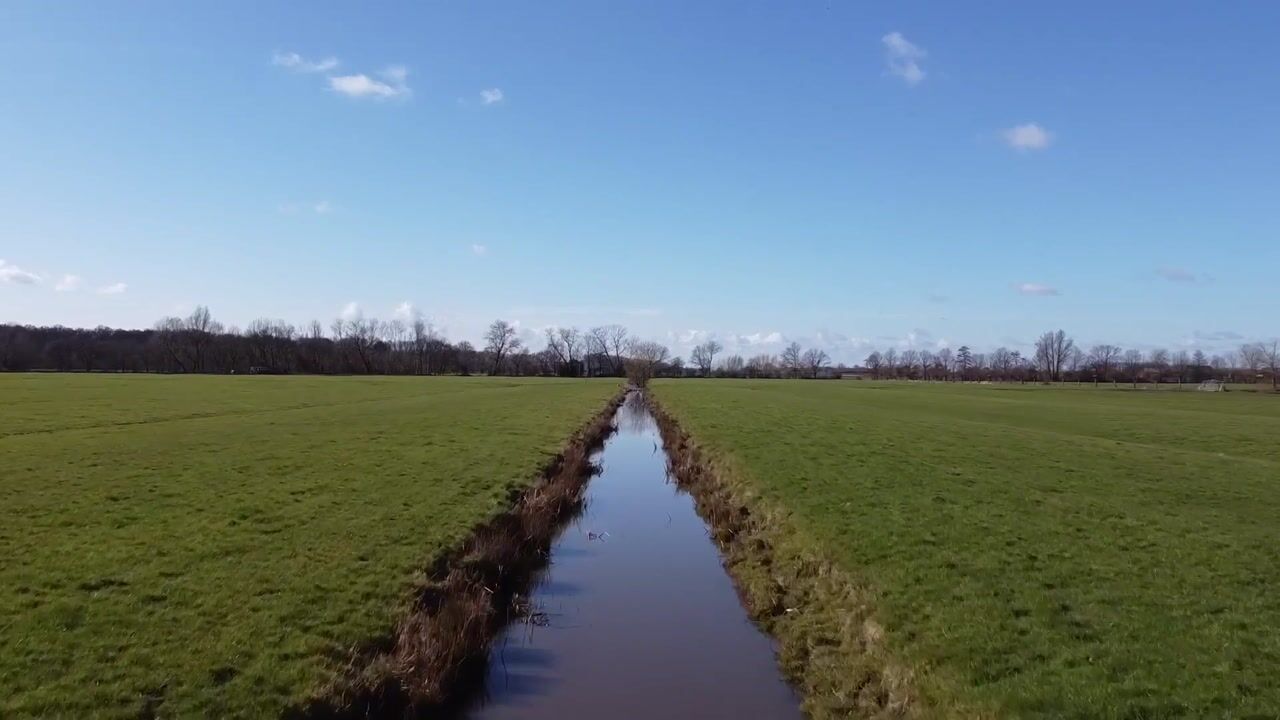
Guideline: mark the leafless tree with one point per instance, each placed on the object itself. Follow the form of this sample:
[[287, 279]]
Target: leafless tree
[[610, 341], [792, 360], [890, 359], [1052, 350], [565, 345], [814, 360], [501, 339], [734, 365], [1103, 358], [874, 362], [1132, 361], [911, 358], [1002, 363], [643, 359], [762, 366], [1271, 354], [704, 356], [1180, 361]]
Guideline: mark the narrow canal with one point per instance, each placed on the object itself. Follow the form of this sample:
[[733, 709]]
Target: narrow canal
[[635, 617]]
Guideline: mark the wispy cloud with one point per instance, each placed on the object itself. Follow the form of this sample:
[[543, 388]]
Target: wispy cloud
[[1030, 288], [405, 311], [323, 207], [1181, 275], [904, 58], [351, 311], [297, 63], [13, 274], [491, 97], [113, 289], [394, 83], [68, 283], [479, 249], [1028, 136]]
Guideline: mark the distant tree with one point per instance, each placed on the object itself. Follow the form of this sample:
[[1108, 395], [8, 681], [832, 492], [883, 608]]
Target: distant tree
[[945, 361], [1271, 354], [911, 359], [611, 342], [964, 361], [1052, 350], [890, 358], [734, 366], [1103, 358], [814, 360], [704, 356], [643, 359], [792, 360], [1002, 363], [762, 366], [1180, 362], [677, 366], [1132, 362], [565, 345], [500, 340], [874, 362]]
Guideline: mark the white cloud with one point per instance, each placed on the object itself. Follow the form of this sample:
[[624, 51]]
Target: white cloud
[[351, 311], [490, 97], [406, 311], [323, 207], [113, 289], [479, 249], [1029, 136], [904, 58], [68, 283], [361, 85], [297, 63], [1029, 288], [760, 338], [16, 275]]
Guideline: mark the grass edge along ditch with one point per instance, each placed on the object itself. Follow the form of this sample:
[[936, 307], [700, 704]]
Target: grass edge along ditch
[[436, 654], [830, 646]]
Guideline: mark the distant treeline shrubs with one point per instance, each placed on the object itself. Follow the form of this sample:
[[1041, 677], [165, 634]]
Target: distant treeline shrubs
[[357, 345]]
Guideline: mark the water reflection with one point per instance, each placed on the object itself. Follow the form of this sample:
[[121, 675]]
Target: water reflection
[[635, 617]]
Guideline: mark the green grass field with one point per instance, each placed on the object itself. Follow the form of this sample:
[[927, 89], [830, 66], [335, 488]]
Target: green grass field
[[216, 546], [1033, 551]]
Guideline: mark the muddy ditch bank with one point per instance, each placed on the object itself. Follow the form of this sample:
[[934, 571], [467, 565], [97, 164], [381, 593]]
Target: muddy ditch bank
[[436, 657], [829, 645]]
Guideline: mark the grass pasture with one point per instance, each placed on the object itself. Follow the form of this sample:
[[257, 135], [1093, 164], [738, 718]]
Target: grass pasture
[[216, 545], [1037, 552]]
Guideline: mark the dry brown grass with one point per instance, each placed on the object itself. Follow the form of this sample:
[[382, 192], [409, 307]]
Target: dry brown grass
[[438, 652]]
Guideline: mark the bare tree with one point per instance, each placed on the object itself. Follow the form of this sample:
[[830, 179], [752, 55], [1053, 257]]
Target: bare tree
[[1052, 350], [501, 339], [1132, 361], [565, 345], [1104, 358], [814, 360], [890, 359], [1271, 355], [643, 359], [704, 356], [734, 365], [762, 366], [911, 358], [792, 362], [1002, 363], [610, 341], [874, 362]]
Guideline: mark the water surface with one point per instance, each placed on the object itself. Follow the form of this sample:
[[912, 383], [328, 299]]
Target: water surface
[[636, 617]]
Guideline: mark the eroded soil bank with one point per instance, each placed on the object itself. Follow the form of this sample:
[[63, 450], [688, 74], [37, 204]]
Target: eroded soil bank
[[635, 616], [435, 658]]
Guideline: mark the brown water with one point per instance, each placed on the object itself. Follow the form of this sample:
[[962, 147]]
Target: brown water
[[635, 617]]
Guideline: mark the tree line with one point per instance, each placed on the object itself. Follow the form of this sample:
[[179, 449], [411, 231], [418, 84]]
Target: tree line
[[1057, 357], [199, 343]]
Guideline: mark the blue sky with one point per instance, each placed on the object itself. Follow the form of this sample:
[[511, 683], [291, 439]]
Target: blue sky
[[850, 175]]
